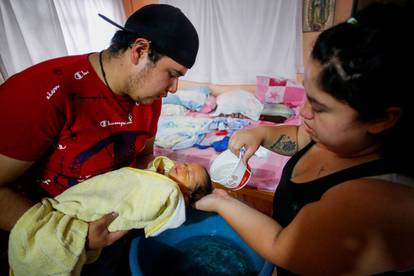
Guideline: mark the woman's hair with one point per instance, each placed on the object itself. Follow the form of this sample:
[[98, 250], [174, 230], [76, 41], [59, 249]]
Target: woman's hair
[[122, 40], [367, 63], [203, 189]]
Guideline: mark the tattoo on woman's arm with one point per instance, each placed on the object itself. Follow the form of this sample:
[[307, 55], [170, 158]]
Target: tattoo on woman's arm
[[284, 145]]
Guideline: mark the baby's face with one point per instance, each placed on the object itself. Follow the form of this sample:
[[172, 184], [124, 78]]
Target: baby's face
[[188, 175]]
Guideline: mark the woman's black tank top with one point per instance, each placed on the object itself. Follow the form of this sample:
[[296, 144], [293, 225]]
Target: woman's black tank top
[[290, 197]]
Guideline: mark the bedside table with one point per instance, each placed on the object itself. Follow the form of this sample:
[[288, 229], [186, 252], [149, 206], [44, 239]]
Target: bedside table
[[272, 118]]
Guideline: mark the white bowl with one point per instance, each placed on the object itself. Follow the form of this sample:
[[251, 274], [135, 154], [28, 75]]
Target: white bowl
[[229, 170]]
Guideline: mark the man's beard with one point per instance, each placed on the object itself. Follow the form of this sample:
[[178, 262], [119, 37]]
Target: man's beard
[[135, 84]]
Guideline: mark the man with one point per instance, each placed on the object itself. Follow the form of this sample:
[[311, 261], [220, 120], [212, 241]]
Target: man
[[70, 118]]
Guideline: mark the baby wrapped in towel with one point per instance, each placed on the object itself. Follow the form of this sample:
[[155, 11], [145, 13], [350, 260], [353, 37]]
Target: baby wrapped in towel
[[50, 237]]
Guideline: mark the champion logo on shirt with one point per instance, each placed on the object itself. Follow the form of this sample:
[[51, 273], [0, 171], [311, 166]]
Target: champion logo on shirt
[[80, 74], [50, 93], [107, 123], [61, 147], [46, 181]]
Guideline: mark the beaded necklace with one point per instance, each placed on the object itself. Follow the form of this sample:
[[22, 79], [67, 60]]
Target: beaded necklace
[[109, 87]]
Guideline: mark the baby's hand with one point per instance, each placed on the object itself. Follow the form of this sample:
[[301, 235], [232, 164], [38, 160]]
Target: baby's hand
[[160, 168], [210, 202]]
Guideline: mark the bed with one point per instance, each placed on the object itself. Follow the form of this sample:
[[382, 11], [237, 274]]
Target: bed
[[197, 121]]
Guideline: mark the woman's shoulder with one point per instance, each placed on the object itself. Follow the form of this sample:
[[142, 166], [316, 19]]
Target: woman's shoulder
[[381, 212], [387, 186], [368, 222], [385, 204]]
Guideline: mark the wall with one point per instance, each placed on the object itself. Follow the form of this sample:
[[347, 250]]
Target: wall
[[132, 5], [343, 10]]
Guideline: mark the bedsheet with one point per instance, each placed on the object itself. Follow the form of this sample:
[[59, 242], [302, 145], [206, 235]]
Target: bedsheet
[[192, 141], [266, 168]]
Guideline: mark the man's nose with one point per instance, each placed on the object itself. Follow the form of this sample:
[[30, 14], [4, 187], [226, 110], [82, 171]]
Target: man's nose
[[173, 86]]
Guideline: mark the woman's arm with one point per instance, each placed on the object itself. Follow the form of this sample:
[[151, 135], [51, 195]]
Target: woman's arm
[[285, 139], [360, 227], [258, 230]]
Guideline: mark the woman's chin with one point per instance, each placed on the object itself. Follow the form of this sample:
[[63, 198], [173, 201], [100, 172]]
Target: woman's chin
[[309, 131]]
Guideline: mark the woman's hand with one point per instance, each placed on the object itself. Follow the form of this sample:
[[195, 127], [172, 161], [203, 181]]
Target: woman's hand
[[250, 139], [211, 201], [98, 234]]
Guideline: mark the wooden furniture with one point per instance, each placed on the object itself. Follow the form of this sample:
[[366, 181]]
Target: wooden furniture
[[272, 118], [260, 200]]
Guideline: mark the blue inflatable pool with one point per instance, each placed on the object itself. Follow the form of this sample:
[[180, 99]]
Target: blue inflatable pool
[[204, 245]]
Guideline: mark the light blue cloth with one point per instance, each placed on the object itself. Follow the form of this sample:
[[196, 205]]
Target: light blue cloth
[[229, 124], [192, 98]]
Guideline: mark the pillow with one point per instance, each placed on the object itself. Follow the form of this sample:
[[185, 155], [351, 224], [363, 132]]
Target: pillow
[[239, 101], [210, 104], [191, 98], [171, 99], [173, 110], [279, 90]]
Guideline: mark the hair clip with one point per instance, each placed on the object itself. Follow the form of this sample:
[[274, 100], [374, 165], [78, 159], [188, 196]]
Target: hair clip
[[352, 21]]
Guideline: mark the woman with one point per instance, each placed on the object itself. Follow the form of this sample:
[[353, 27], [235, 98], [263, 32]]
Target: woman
[[345, 203]]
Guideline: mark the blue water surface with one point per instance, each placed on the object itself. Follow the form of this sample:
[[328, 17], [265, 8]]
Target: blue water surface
[[204, 245]]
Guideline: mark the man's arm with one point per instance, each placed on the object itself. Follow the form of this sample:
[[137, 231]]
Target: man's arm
[[12, 204]]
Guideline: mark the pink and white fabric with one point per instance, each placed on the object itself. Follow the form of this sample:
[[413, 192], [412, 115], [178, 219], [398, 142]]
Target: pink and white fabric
[[279, 90]]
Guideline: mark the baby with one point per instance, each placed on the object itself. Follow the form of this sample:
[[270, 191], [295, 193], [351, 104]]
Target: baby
[[141, 198], [192, 178], [153, 199]]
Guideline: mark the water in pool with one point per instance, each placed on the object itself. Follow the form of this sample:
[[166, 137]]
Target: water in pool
[[199, 255]]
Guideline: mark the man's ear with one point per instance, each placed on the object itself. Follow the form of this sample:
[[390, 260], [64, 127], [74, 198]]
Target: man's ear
[[139, 48], [392, 115]]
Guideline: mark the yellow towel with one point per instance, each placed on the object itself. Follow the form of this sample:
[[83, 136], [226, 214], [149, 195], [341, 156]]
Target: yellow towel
[[46, 242], [143, 199], [165, 161], [50, 237]]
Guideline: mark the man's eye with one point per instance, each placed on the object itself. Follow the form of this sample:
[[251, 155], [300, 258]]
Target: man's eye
[[172, 75]]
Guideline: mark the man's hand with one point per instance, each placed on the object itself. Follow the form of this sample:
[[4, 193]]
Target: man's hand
[[98, 234]]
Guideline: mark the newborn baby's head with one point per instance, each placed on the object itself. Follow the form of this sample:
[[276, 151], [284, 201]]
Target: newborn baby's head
[[193, 180]]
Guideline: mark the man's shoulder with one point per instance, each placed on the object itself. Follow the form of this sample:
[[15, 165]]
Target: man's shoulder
[[51, 69], [58, 66], [50, 76]]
